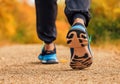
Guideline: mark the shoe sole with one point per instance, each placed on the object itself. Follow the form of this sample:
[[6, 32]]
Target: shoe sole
[[81, 58], [50, 62]]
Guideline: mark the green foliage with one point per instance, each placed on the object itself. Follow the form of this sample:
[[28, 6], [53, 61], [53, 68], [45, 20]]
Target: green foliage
[[105, 22]]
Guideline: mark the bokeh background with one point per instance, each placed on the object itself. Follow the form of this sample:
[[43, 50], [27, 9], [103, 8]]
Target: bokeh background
[[18, 22]]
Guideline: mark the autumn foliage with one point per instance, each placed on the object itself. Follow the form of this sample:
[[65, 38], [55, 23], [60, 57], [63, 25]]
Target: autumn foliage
[[18, 22]]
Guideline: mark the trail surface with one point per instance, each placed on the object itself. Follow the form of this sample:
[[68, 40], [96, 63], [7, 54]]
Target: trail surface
[[19, 65]]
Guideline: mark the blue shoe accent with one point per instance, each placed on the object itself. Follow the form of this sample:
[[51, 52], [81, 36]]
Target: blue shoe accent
[[48, 57], [40, 57], [79, 27]]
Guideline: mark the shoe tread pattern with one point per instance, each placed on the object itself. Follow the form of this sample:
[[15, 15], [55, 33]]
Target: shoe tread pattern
[[81, 57]]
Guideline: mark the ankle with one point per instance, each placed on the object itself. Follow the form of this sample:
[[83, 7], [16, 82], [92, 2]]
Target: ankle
[[50, 46], [78, 20]]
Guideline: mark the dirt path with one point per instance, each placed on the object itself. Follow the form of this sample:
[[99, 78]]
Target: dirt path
[[19, 65]]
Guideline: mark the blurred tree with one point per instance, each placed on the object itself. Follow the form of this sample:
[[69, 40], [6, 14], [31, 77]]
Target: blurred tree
[[18, 23], [7, 22], [104, 25]]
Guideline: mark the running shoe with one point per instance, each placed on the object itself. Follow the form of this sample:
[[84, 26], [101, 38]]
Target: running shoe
[[78, 41], [48, 57]]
